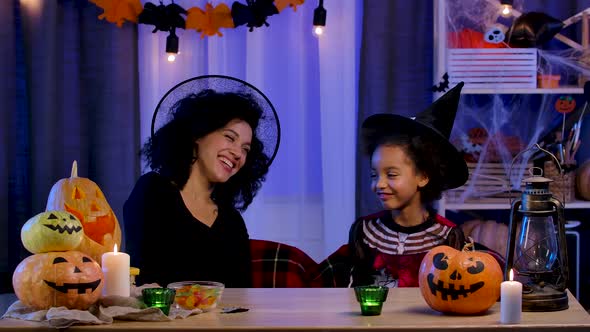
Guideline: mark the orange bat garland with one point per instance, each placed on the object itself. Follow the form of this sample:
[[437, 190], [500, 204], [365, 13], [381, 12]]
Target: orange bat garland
[[281, 4], [119, 11], [207, 21]]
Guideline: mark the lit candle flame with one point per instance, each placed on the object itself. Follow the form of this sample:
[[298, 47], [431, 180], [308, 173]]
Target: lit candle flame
[[115, 251], [511, 274]]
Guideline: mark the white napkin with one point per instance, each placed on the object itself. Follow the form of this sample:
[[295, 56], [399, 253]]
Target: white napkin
[[104, 312]]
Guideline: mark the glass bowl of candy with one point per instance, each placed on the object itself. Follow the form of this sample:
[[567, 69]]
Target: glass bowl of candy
[[191, 295]]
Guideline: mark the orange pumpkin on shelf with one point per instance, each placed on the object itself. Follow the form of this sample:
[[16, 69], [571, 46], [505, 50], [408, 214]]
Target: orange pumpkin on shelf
[[54, 279], [84, 199], [565, 104], [463, 282]]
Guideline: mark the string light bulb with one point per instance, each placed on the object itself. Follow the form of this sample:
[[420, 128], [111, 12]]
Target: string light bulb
[[172, 45], [319, 19], [506, 6]]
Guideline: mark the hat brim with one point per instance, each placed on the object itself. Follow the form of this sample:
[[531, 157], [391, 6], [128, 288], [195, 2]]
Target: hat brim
[[379, 125], [269, 128]]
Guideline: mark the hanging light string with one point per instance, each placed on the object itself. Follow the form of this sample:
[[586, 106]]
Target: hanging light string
[[319, 19], [506, 7]]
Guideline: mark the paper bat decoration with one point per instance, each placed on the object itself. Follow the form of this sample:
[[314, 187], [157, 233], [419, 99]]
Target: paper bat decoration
[[282, 4], [209, 21], [164, 18], [254, 14], [119, 11], [443, 86]]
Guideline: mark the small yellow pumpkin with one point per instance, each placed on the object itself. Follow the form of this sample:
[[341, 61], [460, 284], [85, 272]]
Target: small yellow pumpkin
[[52, 231], [84, 199]]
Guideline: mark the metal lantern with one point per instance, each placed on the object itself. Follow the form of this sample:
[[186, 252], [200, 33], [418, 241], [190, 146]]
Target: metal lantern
[[537, 248]]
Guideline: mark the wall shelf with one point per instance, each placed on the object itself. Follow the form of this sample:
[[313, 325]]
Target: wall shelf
[[505, 206], [562, 90]]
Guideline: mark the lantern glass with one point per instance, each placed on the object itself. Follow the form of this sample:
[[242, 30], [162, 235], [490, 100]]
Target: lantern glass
[[536, 249]]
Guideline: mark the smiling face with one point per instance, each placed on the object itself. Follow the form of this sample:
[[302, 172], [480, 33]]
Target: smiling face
[[52, 231], [70, 279], [394, 178], [461, 282], [222, 153]]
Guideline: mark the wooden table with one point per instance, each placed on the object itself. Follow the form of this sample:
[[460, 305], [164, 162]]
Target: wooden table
[[335, 309]]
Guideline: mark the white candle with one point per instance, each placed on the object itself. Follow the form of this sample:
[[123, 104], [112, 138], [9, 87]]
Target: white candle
[[115, 267], [510, 301]]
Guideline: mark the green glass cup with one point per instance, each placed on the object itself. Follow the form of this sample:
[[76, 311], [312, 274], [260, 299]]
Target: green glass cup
[[159, 298], [371, 299]]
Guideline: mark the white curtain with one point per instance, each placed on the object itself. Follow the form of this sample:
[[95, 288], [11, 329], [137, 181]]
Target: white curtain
[[308, 198]]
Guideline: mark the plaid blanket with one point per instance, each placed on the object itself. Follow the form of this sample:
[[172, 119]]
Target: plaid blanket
[[279, 265], [333, 271]]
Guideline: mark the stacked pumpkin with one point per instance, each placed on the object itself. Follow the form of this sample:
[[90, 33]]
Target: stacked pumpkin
[[67, 242], [83, 198], [56, 275]]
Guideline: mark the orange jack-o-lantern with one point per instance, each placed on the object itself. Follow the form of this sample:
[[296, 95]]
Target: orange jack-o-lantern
[[565, 104], [54, 279], [459, 282], [52, 231], [84, 199]]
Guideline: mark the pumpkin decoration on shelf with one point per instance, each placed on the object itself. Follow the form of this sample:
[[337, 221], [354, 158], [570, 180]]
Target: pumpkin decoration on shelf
[[463, 282], [52, 231], [84, 199], [565, 104], [490, 233], [71, 279]]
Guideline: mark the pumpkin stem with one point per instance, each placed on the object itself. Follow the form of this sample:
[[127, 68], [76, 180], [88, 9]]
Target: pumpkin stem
[[470, 245], [74, 173]]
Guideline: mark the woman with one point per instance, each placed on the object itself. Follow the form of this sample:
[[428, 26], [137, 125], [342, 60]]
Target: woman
[[182, 220]]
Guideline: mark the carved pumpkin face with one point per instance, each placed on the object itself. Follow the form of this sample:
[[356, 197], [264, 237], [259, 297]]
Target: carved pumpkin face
[[70, 279], [459, 282], [84, 199], [565, 104], [52, 231]]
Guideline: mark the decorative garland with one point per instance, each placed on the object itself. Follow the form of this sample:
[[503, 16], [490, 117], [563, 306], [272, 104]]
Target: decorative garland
[[207, 21]]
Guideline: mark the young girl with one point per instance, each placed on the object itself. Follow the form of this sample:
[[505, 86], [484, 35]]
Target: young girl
[[412, 163]]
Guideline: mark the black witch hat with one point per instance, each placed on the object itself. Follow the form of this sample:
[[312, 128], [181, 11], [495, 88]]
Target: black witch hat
[[436, 123], [269, 129]]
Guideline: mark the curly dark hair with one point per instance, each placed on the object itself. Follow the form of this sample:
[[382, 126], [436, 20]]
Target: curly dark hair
[[424, 151], [170, 151]]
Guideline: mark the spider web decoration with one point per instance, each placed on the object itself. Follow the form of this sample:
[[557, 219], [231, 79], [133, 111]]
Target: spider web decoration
[[494, 127]]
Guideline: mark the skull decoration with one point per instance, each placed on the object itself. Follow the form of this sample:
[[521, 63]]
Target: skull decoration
[[459, 282], [494, 35], [54, 279]]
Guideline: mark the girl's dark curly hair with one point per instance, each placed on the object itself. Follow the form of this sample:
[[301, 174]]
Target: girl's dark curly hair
[[424, 153], [170, 151]]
